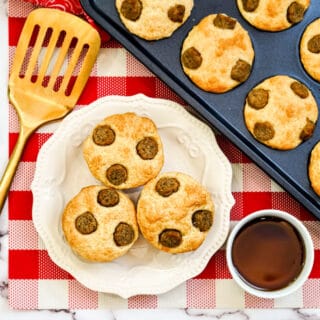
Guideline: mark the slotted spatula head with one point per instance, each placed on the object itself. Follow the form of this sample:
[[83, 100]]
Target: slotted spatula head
[[53, 60]]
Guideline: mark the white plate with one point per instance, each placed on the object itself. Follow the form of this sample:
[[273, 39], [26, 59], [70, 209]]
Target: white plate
[[189, 147]]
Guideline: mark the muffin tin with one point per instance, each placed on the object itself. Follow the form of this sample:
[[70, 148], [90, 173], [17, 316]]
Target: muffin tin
[[275, 53]]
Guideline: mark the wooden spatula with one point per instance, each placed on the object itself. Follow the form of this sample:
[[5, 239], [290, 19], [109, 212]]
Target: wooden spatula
[[53, 60]]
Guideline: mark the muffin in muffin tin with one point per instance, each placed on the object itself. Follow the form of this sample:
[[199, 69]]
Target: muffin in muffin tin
[[273, 15], [217, 54], [281, 112], [153, 19]]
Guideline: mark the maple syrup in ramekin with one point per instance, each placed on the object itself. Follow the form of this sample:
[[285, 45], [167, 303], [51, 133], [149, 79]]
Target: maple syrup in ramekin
[[268, 253]]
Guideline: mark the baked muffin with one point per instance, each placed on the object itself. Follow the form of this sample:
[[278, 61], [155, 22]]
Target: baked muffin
[[314, 168], [175, 212], [310, 49], [153, 19], [281, 112], [217, 54], [273, 15], [100, 224], [124, 151]]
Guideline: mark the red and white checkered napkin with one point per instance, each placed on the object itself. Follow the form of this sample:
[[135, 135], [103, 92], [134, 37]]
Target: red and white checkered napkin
[[35, 282], [71, 6]]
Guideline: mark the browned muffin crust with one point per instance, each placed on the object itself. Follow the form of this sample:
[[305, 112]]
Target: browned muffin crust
[[100, 230], [133, 158], [153, 19], [175, 212], [281, 112], [217, 54], [273, 15]]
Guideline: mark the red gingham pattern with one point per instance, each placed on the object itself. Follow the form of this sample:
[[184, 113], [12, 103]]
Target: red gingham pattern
[[201, 293], [311, 293], [36, 282], [143, 301], [71, 6], [26, 300], [254, 302], [81, 298]]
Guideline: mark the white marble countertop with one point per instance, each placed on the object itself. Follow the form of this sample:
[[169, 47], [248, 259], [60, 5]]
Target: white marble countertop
[[7, 314]]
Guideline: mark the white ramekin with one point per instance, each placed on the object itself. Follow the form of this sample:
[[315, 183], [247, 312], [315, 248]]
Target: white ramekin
[[309, 254]]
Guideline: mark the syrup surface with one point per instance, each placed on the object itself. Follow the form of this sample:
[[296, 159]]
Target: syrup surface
[[268, 253]]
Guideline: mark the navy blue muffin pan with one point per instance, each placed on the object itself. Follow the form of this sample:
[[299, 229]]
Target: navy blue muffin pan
[[275, 53]]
